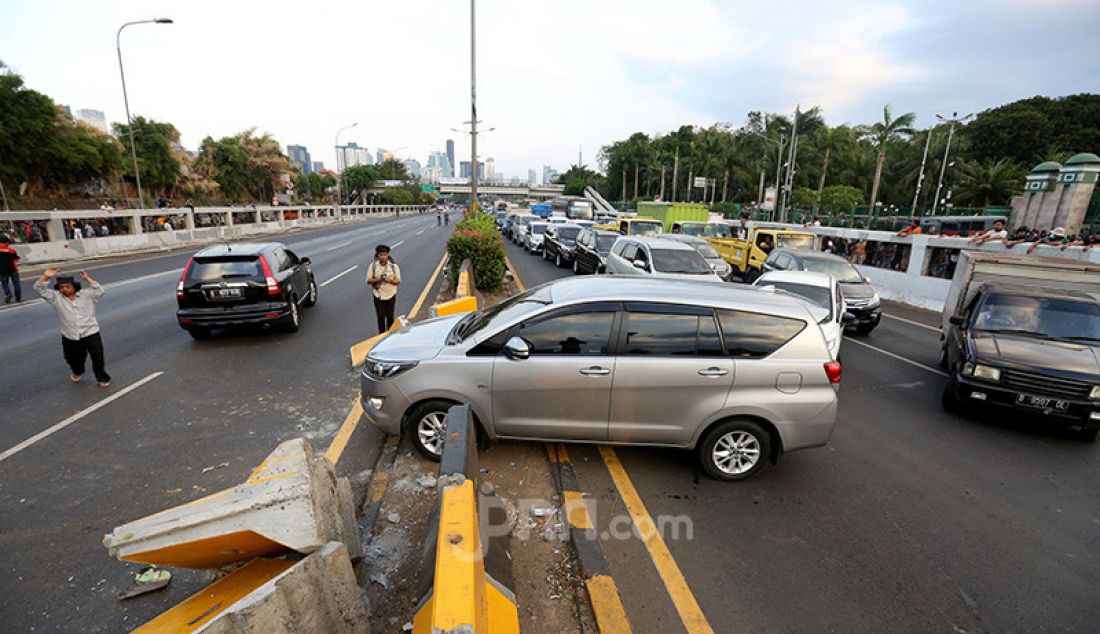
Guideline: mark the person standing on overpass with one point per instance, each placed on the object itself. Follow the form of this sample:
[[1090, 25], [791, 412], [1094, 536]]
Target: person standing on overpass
[[9, 271], [384, 276], [79, 329]]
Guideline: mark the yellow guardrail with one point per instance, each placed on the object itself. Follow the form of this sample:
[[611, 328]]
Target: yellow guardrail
[[464, 596]]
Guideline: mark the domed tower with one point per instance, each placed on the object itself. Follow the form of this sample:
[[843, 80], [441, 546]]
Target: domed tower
[[1057, 195]]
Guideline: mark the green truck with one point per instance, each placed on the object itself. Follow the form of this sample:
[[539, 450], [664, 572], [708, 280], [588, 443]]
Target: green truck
[[669, 213]]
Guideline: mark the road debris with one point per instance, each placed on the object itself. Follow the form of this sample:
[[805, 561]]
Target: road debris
[[213, 467], [148, 580], [393, 517], [427, 481]]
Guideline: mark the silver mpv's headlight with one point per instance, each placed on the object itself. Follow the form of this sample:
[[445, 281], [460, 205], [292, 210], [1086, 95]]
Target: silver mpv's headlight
[[379, 370]]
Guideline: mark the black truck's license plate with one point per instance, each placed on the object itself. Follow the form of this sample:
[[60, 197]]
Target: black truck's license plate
[[1041, 402]]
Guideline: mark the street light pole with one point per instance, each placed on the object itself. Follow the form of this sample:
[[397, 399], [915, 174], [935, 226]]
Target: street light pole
[[955, 118], [920, 177], [126, 99], [473, 108], [336, 146]]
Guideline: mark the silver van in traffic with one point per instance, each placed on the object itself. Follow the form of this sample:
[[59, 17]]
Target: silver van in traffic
[[737, 374]]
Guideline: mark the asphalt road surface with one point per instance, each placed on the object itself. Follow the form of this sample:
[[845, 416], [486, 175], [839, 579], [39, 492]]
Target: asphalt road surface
[[911, 520], [228, 400]]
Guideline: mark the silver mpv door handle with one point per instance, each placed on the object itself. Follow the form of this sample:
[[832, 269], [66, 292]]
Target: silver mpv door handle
[[595, 371], [713, 372]]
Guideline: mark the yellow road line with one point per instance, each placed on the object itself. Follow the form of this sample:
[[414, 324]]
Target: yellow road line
[[576, 512], [515, 276], [340, 442], [610, 615], [690, 612]]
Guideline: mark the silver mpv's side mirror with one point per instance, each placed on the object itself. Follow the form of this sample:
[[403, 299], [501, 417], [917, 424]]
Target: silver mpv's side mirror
[[517, 349]]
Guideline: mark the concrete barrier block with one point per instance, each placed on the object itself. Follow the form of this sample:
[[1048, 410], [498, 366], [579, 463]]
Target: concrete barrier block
[[289, 503], [456, 306], [317, 594]]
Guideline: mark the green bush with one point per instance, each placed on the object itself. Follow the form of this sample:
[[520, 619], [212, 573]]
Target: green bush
[[478, 239]]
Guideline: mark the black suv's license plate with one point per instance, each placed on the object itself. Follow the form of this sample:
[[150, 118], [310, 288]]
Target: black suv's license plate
[[225, 293], [1041, 402]]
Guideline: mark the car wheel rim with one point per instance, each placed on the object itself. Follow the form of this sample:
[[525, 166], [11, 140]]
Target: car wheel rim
[[557, 260], [313, 291], [430, 432], [294, 311], [736, 453], [576, 269]]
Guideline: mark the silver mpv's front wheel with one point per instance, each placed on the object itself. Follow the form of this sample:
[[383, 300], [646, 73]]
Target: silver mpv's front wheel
[[735, 450], [427, 427]]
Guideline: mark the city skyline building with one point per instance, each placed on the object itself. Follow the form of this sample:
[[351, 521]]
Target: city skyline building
[[532, 177], [94, 118], [413, 166], [383, 155], [548, 174], [490, 168], [465, 172], [299, 155], [450, 158], [350, 155], [438, 166], [318, 166]]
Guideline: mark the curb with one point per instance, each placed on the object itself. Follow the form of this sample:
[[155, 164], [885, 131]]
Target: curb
[[603, 594], [376, 489]]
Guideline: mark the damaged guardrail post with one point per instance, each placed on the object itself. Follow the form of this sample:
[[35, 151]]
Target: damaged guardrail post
[[469, 587], [291, 505]]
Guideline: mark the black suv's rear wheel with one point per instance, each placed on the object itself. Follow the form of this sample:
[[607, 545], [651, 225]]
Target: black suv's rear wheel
[[294, 319], [311, 297], [735, 450]]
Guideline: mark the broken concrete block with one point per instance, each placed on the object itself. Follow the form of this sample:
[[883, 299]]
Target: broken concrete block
[[291, 502]]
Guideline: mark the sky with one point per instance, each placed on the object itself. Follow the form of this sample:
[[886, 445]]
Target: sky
[[555, 79]]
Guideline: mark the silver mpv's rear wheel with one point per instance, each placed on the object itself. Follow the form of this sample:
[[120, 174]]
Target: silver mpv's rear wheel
[[735, 450]]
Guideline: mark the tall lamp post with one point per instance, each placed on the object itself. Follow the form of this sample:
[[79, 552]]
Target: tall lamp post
[[778, 167], [953, 119], [473, 108], [336, 146], [126, 99]]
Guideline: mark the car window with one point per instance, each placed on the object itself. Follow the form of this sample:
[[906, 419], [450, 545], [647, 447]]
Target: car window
[[782, 261], [220, 269], [842, 271], [603, 243], [753, 335], [665, 331], [630, 250], [817, 294], [680, 261], [584, 331]]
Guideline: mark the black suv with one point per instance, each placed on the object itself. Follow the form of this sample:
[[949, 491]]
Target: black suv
[[593, 245], [559, 243], [1027, 349], [859, 298], [244, 284]]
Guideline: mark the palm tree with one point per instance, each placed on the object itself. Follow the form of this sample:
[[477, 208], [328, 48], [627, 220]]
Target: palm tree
[[880, 135], [988, 183], [829, 140]]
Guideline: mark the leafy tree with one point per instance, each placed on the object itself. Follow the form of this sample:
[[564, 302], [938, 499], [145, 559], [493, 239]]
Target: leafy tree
[[883, 133], [803, 197], [398, 196], [576, 178], [44, 149], [359, 177], [840, 198], [245, 166], [1033, 130], [827, 141], [392, 169], [158, 162]]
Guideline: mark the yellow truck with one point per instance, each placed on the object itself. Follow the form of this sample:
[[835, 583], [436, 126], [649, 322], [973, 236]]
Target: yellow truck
[[747, 255]]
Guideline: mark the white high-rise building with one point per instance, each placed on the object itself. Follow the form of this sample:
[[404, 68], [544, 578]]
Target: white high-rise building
[[350, 155], [532, 177], [490, 168], [94, 118]]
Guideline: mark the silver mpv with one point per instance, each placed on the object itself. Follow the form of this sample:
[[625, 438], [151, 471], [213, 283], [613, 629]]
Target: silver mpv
[[737, 374]]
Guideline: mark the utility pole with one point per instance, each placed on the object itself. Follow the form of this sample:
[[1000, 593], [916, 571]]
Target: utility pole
[[725, 184], [635, 179], [955, 118], [624, 182], [690, 184], [778, 171], [920, 177], [473, 108], [788, 180], [4, 196], [662, 183]]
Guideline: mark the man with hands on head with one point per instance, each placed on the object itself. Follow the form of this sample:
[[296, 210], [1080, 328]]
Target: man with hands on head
[[79, 329]]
